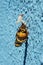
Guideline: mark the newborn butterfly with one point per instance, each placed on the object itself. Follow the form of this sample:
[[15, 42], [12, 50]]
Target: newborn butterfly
[[21, 35]]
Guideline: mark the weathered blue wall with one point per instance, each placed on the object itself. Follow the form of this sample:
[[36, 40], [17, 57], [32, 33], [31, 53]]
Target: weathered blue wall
[[9, 11]]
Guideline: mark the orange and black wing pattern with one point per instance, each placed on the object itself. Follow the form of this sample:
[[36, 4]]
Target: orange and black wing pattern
[[21, 35]]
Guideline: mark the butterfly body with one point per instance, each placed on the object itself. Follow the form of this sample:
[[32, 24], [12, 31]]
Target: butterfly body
[[21, 35]]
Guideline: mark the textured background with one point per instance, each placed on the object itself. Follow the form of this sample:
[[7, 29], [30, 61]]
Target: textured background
[[9, 11]]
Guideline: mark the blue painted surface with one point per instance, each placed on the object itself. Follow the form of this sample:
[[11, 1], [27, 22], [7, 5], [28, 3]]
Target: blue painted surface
[[9, 11]]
